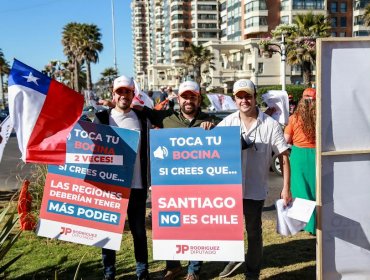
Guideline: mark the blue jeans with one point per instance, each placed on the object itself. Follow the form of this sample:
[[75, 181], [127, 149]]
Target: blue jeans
[[252, 210], [136, 218], [193, 267]]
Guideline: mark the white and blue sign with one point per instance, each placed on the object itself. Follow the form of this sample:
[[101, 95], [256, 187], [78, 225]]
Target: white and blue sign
[[195, 156], [98, 153]]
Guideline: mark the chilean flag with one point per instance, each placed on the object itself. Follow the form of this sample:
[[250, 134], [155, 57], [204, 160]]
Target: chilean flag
[[43, 112]]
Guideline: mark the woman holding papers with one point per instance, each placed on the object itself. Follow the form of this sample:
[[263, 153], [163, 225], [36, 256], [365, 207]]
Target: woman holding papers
[[300, 132]]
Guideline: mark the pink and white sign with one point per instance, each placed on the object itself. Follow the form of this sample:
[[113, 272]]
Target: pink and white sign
[[197, 194], [85, 201]]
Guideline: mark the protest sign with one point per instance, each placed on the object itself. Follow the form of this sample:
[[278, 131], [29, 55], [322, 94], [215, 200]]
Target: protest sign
[[85, 200], [197, 194]]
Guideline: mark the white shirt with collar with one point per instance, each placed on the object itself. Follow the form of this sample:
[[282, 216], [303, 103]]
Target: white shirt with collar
[[256, 160]]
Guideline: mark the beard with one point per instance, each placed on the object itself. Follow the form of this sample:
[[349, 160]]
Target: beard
[[189, 108], [123, 103]]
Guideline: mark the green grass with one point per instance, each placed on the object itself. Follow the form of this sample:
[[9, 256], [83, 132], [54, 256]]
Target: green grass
[[285, 258]]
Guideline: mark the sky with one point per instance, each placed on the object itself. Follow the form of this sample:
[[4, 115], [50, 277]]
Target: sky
[[31, 31]]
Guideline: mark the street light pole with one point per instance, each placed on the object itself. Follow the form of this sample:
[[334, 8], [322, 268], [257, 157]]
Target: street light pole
[[282, 62], [114, 38]]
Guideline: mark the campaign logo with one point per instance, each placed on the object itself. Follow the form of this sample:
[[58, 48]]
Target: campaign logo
[[65, 230], [181, 249], [161, 152]]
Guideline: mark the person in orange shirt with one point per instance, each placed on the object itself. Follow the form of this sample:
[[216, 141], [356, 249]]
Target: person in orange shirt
[[301, 133]]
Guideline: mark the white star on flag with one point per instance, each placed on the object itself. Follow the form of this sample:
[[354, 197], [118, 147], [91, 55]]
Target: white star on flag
[[31, 78]]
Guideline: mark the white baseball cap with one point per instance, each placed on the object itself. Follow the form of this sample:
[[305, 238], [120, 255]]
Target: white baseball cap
[[123, 82], [189, 86], [244, 85]]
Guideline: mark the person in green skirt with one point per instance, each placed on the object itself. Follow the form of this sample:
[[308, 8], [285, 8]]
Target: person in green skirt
[[300, 132]]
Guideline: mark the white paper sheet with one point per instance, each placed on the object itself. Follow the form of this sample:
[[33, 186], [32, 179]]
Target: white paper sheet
[[301, 209], [285, 225]]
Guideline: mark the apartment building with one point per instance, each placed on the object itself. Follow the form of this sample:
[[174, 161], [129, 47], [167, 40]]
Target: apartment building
[[231, 30], [141, 38], [359, 29], [171, 27]]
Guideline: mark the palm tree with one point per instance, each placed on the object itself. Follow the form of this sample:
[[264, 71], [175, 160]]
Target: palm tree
[[106, 80], [4, 69], [81, 44], [366, 15], [310, 25], [91, 46], [302, 41], [71, 40], [198, 57]]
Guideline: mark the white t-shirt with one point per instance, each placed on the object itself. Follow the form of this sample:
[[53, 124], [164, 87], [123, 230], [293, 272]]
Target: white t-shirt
[[128, 121], [256, 160]]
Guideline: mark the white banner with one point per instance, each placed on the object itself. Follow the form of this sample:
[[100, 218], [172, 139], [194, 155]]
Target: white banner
[[221, 102], [6, 128]]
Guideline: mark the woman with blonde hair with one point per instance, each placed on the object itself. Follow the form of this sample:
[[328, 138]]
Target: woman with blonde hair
[[301, 133]]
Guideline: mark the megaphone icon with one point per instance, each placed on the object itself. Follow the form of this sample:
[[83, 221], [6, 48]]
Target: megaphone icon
[[160, 152]]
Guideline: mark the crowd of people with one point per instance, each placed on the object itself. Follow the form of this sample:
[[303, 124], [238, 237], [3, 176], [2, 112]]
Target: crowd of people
[[260, 135]]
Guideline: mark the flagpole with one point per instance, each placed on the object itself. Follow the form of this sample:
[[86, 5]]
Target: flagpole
[[114, 38]]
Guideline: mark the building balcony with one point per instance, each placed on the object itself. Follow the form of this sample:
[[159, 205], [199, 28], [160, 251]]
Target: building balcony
[[360, 27], [357, 13], [176, 57], [231, 75], [255, 29]]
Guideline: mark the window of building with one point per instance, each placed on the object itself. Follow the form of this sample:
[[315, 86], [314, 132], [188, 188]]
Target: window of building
[[284, 5], [260, 67], [308, 4], [333, 34], [255, 21], [207, 7], [255, 6], [334, 22], [342, 34], [343, 7], [284, 20], [207, 16], [333, 7], [343, 21]]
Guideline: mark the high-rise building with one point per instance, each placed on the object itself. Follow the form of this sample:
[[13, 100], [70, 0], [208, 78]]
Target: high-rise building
[[171, 26], [231, 30], [140, 12], [359, 29]]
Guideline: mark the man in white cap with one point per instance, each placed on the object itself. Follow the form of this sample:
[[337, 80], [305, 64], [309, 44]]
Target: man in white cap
[[123, 116], [260, 135], [190, 115]]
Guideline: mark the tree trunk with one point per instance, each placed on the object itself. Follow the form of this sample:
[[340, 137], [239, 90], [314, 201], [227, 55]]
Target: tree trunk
[[307, 73], [76, 74], [198, 77], [2, 90], [88, 76]]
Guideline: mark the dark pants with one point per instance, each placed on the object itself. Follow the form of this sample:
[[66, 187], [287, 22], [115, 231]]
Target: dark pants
[[136, 218], [252, 210], [193, 267]]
